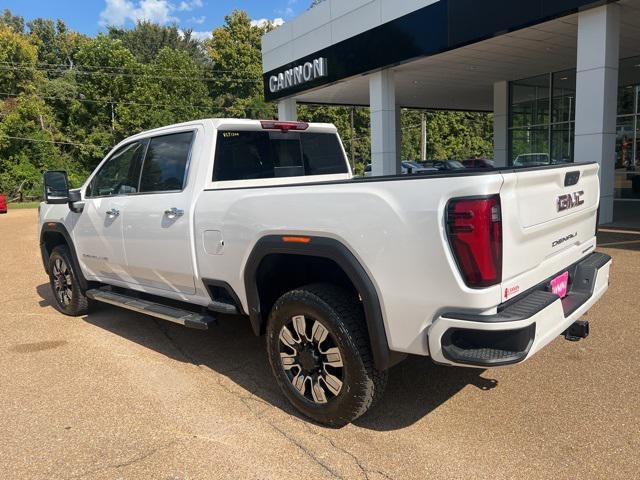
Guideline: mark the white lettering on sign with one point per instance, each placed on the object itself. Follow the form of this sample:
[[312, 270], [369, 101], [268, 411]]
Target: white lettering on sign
[[298, 75]]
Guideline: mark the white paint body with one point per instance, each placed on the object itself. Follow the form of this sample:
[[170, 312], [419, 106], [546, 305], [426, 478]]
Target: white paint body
[[394, 227]]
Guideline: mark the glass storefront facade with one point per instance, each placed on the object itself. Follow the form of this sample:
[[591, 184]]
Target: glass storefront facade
[[627, 131], [542, 119], [542, 124]]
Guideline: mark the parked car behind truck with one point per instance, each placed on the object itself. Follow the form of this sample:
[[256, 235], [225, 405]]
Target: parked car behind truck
[[344, 276]]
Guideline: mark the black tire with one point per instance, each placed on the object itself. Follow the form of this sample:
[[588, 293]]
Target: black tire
[[63, 279], [341, 314]]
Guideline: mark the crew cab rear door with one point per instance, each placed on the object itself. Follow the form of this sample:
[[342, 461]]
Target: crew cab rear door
[[549, 220], [157, 220]]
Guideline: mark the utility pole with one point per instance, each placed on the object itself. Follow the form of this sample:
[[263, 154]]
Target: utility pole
[[423, 137]]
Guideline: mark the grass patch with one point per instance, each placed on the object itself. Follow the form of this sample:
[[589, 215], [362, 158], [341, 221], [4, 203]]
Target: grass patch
[[17, 206]]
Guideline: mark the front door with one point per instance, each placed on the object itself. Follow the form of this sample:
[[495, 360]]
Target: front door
[[157, 221], [98, 230]]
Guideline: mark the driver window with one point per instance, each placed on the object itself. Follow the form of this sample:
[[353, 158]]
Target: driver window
[[120, 175]]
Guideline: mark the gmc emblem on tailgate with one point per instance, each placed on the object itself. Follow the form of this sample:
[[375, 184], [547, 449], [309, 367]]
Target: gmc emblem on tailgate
[[570, 200]]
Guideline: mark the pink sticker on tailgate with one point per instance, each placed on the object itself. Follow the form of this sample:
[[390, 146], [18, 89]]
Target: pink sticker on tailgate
[[560, 284]]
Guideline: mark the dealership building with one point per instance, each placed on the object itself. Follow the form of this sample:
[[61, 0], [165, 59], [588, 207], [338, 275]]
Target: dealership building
[[562, 77]]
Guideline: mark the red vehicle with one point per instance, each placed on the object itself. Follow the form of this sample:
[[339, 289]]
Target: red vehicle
[[3, 203]]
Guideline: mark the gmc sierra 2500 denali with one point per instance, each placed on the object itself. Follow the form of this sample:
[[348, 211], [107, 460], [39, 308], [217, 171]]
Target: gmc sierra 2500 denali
[[345, 276]]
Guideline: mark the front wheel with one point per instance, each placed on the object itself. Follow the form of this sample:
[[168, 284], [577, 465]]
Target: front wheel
[[319, 350], [64, 283]]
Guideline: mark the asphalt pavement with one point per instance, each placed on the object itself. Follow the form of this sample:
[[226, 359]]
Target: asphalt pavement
[[119, 395]]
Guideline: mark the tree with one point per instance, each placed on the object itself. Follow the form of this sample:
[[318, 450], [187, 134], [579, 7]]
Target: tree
[[450, 135], [147, 39], [57, 45], [27, 134], [104, 88], [65, 98], [235, 51], [172, 90], [18, 59], [11, 21]]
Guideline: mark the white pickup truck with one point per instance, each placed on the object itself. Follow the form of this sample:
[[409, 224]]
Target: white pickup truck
[[344, 275]]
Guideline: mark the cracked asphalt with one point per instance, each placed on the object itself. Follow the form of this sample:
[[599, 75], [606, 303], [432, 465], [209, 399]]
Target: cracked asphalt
[[120, 395]]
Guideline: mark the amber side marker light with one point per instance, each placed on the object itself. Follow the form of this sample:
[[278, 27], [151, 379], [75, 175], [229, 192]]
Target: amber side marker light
[[304, 240]]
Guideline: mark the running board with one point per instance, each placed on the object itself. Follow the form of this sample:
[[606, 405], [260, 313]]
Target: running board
[[221, 307], [158, 310]]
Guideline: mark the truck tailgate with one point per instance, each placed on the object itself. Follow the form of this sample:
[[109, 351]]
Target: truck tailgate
[[549, 219]]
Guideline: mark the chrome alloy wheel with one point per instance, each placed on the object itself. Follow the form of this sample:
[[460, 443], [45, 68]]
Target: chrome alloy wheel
[[311, 359], [62, 282]]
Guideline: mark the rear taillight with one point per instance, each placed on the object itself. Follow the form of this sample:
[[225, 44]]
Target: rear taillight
[[474, 228]]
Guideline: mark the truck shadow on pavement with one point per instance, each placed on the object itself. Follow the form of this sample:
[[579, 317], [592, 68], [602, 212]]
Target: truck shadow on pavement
[[620, 240], [416, 386]]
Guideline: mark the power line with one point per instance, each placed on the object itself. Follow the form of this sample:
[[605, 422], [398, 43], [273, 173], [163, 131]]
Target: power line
[[120, 102], [38, 140], [75, 66], [145, 75]]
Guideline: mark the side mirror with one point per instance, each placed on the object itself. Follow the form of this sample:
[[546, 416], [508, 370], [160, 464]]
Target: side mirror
[[56, 187]]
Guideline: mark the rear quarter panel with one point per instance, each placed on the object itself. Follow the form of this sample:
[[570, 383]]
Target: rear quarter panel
[[395, 228]]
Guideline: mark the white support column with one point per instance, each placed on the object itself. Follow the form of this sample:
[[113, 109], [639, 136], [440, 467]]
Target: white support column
[[597, 94], [501, 123], [399, 137], [288, 110], [385, 125]]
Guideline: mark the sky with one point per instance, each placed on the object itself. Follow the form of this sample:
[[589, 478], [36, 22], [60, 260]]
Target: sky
[[92, 16]]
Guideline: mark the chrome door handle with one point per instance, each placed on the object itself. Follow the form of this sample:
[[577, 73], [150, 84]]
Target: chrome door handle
[[174, 212], [113, 213]]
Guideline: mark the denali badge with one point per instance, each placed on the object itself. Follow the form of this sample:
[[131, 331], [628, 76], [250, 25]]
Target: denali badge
[[560, 241], [570, 200]]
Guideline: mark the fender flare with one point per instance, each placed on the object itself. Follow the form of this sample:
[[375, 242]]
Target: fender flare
[[57, 227], [333, 250]]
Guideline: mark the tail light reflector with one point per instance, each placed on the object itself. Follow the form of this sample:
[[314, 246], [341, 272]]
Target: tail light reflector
[[474, 228]]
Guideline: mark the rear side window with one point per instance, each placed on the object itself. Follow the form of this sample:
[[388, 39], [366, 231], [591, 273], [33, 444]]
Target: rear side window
[[165, 164], [119, 175], [253, 155]]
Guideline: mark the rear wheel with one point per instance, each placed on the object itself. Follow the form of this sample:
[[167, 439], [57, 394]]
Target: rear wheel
[[319, 351], [63, 279]]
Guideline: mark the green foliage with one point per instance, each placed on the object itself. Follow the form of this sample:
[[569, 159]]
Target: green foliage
[[66, 99], [57, 45], [23, 162], [235, 52], [146, 40], [16, 49], [450, 135], [14, 22], [173, 83]]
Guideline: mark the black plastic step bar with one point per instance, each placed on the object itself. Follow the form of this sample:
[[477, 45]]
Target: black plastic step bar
[[172, 314]]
